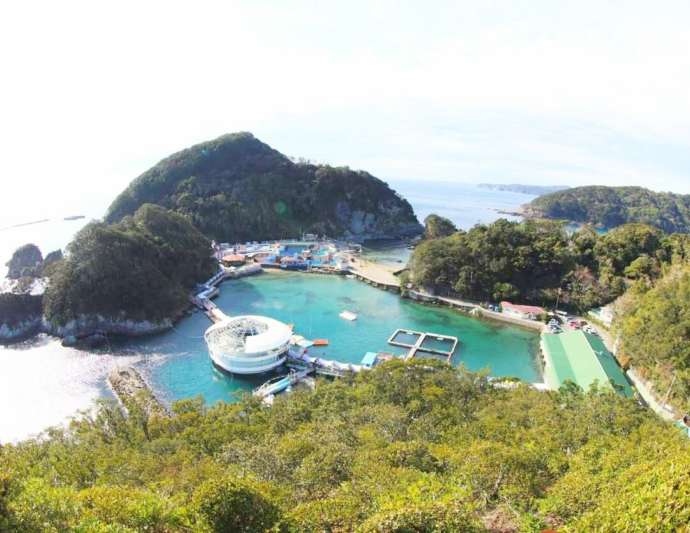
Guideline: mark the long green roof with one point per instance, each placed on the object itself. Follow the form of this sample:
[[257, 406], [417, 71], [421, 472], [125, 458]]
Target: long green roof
[[583, 359]]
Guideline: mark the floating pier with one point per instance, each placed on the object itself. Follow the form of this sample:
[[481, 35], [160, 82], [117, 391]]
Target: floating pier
[[417, 341], [299, 360]]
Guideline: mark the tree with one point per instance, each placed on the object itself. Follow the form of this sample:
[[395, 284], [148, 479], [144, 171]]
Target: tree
[[227, 505], [436, 226], [139, 269]]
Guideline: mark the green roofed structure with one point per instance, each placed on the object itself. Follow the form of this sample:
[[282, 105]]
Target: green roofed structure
[[583, 359]]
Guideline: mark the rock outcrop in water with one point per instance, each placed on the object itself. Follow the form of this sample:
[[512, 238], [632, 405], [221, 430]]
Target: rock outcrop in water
[[26, 261], [134, 393], [236, 188]]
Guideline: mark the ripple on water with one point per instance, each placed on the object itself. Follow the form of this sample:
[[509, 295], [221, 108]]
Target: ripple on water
[[43, 383]]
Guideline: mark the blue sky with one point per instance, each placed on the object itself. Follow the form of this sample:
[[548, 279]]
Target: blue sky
[[521, 91]]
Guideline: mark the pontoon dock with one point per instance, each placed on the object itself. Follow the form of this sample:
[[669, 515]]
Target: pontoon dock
[[419, 342]]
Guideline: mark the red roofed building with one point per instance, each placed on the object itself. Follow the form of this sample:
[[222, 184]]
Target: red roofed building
[[527, 312]]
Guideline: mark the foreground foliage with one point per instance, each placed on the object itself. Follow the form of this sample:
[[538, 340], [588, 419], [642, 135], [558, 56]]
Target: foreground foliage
[[613, 206], [407, 447], [141, 268], [655, 333], [538, 261]]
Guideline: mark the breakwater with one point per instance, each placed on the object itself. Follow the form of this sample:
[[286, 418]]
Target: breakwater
[[133, 392]]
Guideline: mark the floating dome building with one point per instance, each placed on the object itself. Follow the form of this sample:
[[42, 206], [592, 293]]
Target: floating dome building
[[248, 344]]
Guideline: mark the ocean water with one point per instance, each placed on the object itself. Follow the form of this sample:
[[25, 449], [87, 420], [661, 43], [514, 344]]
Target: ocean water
[[464, 204], [43, 383]]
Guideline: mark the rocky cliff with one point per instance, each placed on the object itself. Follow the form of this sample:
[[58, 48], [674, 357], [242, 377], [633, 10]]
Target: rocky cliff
[[26, 261], [236, 188]]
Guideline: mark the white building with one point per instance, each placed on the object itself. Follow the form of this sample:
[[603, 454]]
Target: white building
[[248, 344]]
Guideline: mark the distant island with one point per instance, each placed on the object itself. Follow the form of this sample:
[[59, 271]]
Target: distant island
[[524, 189], [236, 188], [612, 206]]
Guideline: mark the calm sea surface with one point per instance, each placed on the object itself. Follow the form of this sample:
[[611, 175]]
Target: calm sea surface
[[42, 383]]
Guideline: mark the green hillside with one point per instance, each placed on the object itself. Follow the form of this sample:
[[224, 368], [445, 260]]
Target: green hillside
[[236, 188], [141, 268], [538, 261], [612, 206]]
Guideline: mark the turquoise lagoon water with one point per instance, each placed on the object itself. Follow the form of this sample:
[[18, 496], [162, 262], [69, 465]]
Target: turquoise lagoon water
[[62, 380], [312, 303]]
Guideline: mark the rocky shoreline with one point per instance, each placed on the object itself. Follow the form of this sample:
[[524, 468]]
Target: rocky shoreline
[[20, 331], [132, 391], [88, 332]]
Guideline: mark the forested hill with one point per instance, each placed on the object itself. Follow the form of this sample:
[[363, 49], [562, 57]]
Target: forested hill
[[236, 188], [613, 206]]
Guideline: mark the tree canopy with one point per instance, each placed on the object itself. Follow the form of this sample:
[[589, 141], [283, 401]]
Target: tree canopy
[[141, 268], [655, 333], [436, 226], [539, 261], [414, 446], [614, 206], [236, 188]]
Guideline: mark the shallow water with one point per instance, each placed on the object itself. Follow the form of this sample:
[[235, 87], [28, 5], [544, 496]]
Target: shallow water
[[312, 303]]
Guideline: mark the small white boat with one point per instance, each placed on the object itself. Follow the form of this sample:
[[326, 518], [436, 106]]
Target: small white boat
[[273, 386], [348, 315]]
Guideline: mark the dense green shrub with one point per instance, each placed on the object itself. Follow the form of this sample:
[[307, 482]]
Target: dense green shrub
[[236, 188], [655, 333], [436, 226], [141, 268], [538, 261], [613, 206], [413, 446]]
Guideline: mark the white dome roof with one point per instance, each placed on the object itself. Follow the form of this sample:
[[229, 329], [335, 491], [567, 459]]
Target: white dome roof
[[247, 335]]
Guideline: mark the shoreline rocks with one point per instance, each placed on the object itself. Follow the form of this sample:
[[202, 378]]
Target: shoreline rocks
[[21, 331], [26, 261], [133, 392], [86, 333], [20, 316]]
